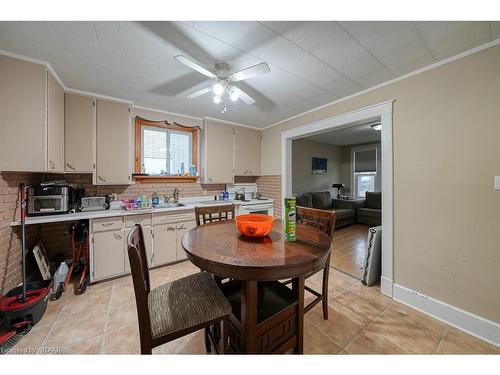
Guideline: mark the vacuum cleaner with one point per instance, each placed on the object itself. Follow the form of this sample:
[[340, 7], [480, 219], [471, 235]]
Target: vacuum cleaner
[[22, 307]]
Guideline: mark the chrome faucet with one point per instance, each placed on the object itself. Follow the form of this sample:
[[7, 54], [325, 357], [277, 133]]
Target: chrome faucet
[[176, 196]]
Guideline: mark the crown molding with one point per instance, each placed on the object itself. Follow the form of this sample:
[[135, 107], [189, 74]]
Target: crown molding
[[403, 77], [232, 123]]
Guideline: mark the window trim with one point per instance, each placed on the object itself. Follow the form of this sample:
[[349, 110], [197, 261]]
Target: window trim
[[139, 122]]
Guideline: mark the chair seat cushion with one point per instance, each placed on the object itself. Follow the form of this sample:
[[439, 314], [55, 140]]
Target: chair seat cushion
[[185, 303], [343, 213], [371, 212]]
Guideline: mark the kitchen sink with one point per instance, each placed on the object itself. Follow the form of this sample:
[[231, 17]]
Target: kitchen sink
[[169, 205], [211, 203]]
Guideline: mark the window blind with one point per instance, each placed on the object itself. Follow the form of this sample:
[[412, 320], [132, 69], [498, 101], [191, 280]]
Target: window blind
[[365, 161]]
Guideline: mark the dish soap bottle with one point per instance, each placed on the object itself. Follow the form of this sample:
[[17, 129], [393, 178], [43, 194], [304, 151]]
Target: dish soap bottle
[[182, 169]]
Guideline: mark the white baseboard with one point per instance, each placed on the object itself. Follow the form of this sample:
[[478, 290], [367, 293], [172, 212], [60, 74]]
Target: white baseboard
[[474, 325], [386, 286]]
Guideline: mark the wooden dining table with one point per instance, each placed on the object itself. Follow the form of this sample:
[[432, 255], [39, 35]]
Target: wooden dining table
[[267, 316]]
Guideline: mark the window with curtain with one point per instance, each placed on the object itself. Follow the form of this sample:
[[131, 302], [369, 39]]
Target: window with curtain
[[162, 150], [365, 171]]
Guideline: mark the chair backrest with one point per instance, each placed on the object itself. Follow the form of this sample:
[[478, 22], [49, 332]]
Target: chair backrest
[[211, 214], [140, 277], [322, 219]]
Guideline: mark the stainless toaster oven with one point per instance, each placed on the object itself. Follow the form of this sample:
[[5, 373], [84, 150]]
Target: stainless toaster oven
[[93, 204], [46, 200]]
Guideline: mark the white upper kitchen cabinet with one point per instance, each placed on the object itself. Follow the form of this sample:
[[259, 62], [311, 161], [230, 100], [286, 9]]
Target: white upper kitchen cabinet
[[217, 153], [246, 151], [79, 127], [32, 118], [55, 124], [113, 143]]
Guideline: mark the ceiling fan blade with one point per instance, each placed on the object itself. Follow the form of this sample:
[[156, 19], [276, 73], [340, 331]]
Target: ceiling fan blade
[[191, 64], [253, 71], [243, 95], [199, 93]]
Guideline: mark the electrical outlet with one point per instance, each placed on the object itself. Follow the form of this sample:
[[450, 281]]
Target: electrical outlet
[[496, 183]]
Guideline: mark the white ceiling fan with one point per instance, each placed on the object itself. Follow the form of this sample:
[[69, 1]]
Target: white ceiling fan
[[222, 84]]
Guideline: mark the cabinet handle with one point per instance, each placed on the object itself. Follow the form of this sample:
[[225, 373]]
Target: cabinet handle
[[117, 236], [170, 229], [102, 179], [209, 179], [138, 221], [182, 227], [106, 224], [70, 166], [52, 164]]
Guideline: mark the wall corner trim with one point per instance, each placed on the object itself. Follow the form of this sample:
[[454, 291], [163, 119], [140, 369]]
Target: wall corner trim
[[470, 323]]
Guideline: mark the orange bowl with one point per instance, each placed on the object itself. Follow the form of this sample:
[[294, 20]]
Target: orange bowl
[[254, 225]]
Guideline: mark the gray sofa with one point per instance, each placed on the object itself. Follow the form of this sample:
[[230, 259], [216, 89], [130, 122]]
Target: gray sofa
[[344, 209], [369, 210]]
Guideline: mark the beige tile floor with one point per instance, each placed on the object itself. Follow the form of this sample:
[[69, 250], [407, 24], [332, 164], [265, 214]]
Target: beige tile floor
[[361, 321]]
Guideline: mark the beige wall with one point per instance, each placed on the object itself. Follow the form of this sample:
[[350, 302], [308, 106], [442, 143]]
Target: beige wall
[[302, 153], [446, 141]]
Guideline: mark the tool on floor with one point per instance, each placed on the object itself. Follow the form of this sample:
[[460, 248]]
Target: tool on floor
[[79, 262], [22, 307]]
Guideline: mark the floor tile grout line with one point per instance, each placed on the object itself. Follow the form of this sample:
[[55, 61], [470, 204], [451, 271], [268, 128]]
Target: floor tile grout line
[[441, 337], [366, 326], [108, 310], [44, 342]]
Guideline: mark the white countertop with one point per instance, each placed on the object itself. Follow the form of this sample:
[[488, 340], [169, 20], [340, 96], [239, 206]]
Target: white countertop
[[190, 203]]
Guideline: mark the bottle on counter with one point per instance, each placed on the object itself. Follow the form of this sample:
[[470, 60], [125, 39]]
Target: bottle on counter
[[183, 169], [192, 170]]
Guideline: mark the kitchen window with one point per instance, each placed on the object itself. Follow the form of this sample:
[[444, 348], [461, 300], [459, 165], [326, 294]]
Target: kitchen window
[[165, 151]]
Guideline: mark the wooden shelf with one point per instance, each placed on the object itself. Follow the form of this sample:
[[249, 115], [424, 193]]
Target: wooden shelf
[[165, 179]]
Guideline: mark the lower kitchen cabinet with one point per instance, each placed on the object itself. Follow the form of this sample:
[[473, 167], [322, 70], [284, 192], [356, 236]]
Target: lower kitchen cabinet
[[108, 253], [182, 229], [165, 239], [163, 233], [148, 242]]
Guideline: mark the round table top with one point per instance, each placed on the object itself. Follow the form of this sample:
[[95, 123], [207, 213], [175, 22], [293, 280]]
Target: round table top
[[219, 248]]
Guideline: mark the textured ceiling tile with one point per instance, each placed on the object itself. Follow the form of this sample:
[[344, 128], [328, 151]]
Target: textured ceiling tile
[[140, 66], [446, 39], [495, 29], [119, 38]]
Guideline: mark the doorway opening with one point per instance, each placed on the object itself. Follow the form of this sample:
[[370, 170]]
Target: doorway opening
[[367, 138]]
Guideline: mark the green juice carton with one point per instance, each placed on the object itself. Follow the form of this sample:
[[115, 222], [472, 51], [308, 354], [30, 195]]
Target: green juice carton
[[290, 219]]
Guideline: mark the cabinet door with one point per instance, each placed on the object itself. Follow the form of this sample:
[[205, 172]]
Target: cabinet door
[[246, 151], [218, 163], [165, 242], [55, 127], [148, 242], [182, 228], [113, 140], [79, 125], [23, 112], [108, 253]]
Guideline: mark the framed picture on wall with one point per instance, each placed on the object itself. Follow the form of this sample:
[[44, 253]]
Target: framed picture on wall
[[319, 165]]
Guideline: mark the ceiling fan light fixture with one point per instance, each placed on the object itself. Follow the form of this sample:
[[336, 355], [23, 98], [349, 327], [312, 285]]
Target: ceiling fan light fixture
[[218, 89], [234, 96]]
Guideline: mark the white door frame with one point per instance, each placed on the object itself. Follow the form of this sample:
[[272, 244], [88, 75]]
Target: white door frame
[[345, 120]]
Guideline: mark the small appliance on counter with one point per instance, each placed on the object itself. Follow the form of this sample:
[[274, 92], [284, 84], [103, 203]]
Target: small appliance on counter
[[93, 203], [49, 199]]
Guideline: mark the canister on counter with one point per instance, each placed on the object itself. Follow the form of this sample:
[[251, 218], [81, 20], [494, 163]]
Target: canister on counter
[[290, 219]]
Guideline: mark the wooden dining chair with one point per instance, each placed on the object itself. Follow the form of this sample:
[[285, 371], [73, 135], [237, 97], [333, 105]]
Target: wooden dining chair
[[325, 222], [174, 309], [210, 214]]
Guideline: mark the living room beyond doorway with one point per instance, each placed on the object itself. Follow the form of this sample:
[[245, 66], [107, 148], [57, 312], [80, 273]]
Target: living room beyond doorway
[[340, 170]]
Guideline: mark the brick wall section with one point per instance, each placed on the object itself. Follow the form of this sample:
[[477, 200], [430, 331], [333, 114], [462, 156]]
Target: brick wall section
[[270, 187], [56, 238], [10, 238]]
